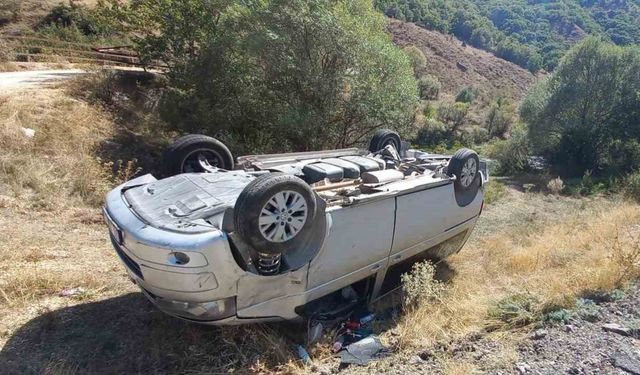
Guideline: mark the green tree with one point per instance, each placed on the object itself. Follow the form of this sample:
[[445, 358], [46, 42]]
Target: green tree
[[583, 113], [276, 75]]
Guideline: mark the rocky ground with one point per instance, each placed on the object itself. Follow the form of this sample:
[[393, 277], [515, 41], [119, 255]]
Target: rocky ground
[[600, 336]]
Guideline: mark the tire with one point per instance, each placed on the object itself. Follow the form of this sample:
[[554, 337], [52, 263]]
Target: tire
[[182, 155], [257, 221], [383, 137], [465, 166]]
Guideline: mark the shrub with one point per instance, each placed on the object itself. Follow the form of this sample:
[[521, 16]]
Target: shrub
[[429, 111], [555, 186], [478, 135], [499, 120], [566, 113], [249, 77], [417, 58], [5, 51], [453, 114], [511, 154], [420, 286], [9, 11], [631, 186], [515, 310], [72, 16], [432, 133], [429, 87], [466, 95]]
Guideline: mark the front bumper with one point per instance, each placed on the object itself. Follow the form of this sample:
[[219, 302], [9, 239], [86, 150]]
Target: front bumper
[[204, 289]]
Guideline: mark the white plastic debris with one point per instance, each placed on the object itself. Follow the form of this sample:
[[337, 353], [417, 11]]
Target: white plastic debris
[[30, 133], [70, 292]]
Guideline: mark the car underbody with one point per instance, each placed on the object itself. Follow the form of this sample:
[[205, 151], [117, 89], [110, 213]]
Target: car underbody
[[266, 240]]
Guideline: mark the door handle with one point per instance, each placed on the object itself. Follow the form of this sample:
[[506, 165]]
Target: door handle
[[396, 258], [375, 267]]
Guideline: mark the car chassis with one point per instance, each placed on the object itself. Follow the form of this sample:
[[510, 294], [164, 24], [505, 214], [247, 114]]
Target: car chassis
[[283, 232]]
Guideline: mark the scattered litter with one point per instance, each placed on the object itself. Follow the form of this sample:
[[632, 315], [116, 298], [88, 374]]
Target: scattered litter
[[314, 333], [363, 351], [70, 292], [28, 132], [303, 354]]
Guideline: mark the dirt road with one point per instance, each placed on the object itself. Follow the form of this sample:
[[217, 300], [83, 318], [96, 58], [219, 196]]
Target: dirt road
[[16, 80]]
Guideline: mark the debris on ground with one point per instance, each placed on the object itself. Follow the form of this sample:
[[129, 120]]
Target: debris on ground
[[363, 351], [70, 292], [28, 132]]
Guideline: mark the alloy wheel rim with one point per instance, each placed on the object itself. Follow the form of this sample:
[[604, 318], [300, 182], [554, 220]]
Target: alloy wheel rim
[[468, 172], [283, 216]]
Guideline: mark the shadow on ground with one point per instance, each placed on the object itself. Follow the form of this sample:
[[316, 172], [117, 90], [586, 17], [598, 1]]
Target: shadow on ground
[[128, 335]]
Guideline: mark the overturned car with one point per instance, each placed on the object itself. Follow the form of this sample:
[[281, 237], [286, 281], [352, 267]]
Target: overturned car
[[264, 237]]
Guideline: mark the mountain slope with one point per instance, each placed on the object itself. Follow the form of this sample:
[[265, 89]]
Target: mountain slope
[[458, 66], [531, 33]]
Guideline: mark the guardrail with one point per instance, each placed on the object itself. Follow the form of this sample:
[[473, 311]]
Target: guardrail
[[37, 49]]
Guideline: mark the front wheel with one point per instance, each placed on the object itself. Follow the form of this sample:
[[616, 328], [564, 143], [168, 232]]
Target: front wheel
[[275, 213]]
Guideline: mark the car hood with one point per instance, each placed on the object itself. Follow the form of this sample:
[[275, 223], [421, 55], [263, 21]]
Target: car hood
[[185, 202]]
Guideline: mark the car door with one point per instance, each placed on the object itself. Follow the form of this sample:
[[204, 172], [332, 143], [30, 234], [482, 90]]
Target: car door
[[357, 244]]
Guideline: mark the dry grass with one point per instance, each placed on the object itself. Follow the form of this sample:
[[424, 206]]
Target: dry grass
[[530, 253], [504, 277], [57, 166]]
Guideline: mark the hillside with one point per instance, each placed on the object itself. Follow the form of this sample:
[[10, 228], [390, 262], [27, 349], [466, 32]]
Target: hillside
[[533, 34], [447, 59]]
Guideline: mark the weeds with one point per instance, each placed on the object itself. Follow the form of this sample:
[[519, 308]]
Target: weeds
[[420, 286], [555, 186]]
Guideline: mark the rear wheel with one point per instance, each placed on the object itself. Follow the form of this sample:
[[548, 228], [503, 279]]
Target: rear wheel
[[275, 212], [194, 153], [465, 166], [383, 138]]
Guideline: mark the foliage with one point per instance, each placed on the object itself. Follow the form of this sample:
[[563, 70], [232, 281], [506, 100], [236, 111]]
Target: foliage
[[631, 186], [417, 58], [511, 154], [453, 115], [555, 186], [584, 116], [499, 119], [466, 95], [275, 75], [516, 310], [420, 286], [494, 190], [532, 34], [429, 87], [432, 133], [74, 22]]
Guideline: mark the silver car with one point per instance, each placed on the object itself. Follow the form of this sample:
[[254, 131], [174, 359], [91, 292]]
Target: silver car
[[281, 237]]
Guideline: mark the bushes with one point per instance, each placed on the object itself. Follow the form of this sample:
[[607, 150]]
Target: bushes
[[511, 154], [67, 20], [417, 58], [499, 119], [631, 186], [584, 117], [429, 87], [466, 95], [433, 133], [276, 75]]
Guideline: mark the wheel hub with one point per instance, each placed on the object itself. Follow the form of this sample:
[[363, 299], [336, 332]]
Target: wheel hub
[[468, 172], [283, 216]]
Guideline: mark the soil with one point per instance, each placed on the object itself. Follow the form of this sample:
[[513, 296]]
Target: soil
[[457, 65]]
